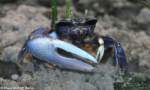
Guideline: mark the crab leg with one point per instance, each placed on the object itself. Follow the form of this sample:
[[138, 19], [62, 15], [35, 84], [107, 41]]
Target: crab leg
[[119, 54], [23, 52]]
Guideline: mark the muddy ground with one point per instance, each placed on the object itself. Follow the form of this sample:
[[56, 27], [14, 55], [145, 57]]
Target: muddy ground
[[125, 20]]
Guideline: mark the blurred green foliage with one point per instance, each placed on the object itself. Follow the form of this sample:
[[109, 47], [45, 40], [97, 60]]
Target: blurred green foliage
[[54, 13], [68, 8]]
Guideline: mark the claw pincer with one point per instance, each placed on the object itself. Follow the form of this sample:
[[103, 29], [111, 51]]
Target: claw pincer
[[59, 53]]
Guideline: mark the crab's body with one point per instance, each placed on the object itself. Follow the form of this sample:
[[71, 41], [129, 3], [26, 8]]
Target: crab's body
[[53, 46]]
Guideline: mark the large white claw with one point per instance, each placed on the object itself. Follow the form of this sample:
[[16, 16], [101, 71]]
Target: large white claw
[[100, 51], [74, 50], [46, 49]]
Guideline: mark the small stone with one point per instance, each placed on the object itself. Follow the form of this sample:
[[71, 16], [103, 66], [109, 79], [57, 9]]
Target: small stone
[[14, 77]]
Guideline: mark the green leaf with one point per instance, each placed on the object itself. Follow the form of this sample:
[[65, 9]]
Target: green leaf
[[68, 8], [54, 13]]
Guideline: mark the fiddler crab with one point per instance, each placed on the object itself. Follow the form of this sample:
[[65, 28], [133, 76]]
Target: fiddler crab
[[73, 45]]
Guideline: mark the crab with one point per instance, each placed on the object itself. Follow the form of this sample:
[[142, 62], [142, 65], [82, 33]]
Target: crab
[[73, 45]]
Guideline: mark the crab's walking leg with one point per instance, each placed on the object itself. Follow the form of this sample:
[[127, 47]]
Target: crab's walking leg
[[119, 53], [22, 54]]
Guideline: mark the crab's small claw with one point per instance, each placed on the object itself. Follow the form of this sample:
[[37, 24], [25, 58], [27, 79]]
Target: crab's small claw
[[60, 53], [100, 51], [119, 53]]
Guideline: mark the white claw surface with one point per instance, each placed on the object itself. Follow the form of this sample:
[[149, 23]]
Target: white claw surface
[[45, 49]]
